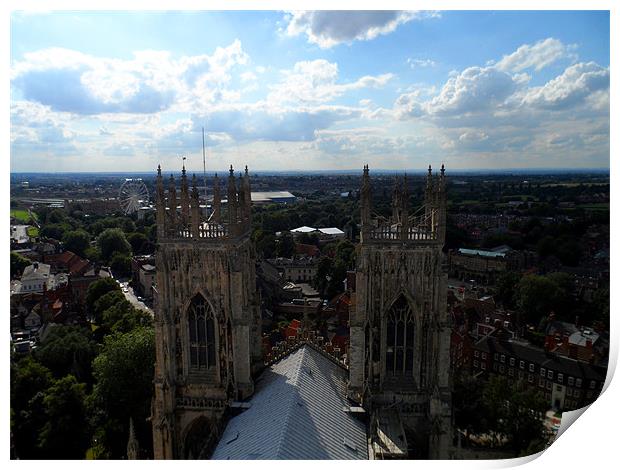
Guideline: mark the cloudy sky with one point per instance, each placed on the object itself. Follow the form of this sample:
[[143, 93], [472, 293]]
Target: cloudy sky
[[309, 90]]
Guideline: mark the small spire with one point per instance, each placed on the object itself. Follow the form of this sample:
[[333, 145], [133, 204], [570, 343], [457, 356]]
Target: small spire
[[232, 172], [443, 169], [430, 171], [158, 170], [246, 170]]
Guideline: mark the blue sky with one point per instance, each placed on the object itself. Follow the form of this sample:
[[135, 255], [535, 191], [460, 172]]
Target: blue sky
[[108, 91]]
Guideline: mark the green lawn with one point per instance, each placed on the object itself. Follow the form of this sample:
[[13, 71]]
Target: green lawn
[[32, 232], [22, 215]]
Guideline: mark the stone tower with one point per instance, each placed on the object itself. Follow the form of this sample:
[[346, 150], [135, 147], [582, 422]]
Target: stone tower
[[207, 324], [400, 336]]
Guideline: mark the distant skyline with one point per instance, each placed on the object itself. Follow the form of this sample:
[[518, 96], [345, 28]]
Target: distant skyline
[[125, 91]]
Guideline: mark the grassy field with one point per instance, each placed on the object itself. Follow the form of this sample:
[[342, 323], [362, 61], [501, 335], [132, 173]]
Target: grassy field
[[601, 206], [32, 232], [22, 215]]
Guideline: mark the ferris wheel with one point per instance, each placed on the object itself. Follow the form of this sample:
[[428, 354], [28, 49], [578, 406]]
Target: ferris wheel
[[133, 195]]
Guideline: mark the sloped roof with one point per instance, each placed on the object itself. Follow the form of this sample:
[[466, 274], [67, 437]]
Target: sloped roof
[[296, 413]]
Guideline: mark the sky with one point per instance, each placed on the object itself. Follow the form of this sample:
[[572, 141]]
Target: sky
[[309, 90]]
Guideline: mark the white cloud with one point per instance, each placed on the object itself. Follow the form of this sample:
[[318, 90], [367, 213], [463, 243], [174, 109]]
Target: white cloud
[[421, 63], [316, 82], [329, 28], [150, 82], [573, 87], [536, 56]]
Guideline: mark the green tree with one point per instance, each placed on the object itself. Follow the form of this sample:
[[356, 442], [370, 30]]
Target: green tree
[[122, 317], [137, 241], [536, 297], [506, 286], [121, 264], [285, 247], [92, 253], [76, 241], [27, 378], [55, 231], [65, 433], [105, 302], [68, 350], [28, 381], [112, 240], [98, 289], [123, 389], [18, 264], [515, 411]]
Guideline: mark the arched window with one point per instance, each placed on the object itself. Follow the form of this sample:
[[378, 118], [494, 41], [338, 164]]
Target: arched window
[[201, 334], [400, 339]]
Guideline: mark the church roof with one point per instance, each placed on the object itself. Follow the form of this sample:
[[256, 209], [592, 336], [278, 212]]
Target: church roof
[[297, 412]]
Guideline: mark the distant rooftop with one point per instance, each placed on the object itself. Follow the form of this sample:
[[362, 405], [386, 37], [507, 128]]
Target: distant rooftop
[[484, 253]]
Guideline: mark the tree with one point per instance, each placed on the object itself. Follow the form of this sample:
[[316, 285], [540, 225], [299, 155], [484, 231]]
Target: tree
[[65, 433], [92, 253], [121, 264], [468, 403], [506, 288], [112, 240], [123, 389], [77, 241], [105, 302], [68, 350], [122, 317], [98, 289], [55, 231], [285, 245], [266, 245], [18, 264], [345, 253], [515, 411], [27, 378], [137, 241], [536, 297], [28, 381]]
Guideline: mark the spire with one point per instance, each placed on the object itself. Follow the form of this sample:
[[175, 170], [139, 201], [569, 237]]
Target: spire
[[195, 219], [184, 196], [133, 446], [247, 191], [172, 200], [217, 200], [232, 197], [160, 205], [365, 201]]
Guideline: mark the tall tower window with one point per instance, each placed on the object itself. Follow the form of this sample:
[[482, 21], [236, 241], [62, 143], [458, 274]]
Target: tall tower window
[[201, 334], [400, 339]]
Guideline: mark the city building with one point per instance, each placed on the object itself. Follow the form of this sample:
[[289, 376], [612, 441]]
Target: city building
[[35, 278], [565, 382]]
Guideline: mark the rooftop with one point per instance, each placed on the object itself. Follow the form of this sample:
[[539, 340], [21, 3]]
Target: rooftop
[[483, 253], [297, 412]]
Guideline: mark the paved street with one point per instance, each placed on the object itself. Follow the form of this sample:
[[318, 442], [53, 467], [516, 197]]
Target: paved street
[[131, 296]]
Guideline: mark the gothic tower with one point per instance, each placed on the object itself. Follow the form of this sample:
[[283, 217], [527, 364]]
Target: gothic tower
[[207, 324], [400, 337]]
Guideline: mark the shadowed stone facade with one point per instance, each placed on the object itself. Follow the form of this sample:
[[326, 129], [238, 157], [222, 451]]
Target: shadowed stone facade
[[400, 336], [207, 324]]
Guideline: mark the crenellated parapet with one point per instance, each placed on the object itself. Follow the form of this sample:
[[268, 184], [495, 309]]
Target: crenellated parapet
[[427, 225], [182, 218]]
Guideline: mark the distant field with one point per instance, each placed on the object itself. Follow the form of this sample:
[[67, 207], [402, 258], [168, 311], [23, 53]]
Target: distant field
[[32, 232], [601, 206], [571, 185], [20, 214]]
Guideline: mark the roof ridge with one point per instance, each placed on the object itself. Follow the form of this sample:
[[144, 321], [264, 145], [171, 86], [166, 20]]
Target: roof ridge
[[294, 397]]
